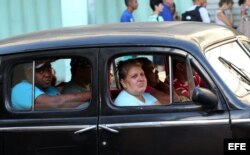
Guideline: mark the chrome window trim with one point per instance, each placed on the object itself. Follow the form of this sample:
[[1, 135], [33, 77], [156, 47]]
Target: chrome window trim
[[243, 46], [33, 86], [171, 83], [215, 45]]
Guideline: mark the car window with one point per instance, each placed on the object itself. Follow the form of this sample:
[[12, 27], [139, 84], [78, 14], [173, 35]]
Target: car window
[[229, 60], [51, 84], [162, 80]]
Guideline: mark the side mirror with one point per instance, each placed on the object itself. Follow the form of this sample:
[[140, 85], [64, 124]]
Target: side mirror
[[204, 97]]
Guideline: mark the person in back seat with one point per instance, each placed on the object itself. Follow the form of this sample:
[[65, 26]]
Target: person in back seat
[[45, 96], [181, 83], [156, 87], [81, 78]]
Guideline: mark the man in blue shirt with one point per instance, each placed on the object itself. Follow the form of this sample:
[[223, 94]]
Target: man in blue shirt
[[127, 15], [41, 92], [167, 13]]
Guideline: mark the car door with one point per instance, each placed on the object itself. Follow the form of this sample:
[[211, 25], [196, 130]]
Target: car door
[[55, 131], [174, 129]]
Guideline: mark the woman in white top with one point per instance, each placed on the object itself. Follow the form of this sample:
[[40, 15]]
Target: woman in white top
[[244, 23], [157, 7], [220, 16], [134, 83]]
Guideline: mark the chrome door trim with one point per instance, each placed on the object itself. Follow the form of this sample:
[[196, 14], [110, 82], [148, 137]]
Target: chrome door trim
[[44, 128], [166, 123], [105, 127], [85, 129], [121, 125], [239, 121]]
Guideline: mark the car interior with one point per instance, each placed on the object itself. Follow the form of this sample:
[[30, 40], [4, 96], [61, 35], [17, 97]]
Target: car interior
[[62, 74], [163, 71]]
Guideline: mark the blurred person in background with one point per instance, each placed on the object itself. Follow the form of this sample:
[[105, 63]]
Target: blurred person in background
[[174, 12], [203, 13], [204, 4], [127, 15], [245, 7], [157, 7], [220, 16], [167, 13], [244, 22]]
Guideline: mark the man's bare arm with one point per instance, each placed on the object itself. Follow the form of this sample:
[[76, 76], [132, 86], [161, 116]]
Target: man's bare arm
[[45, 101]]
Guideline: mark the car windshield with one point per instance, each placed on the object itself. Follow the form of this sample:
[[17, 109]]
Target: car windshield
[[231, 63]]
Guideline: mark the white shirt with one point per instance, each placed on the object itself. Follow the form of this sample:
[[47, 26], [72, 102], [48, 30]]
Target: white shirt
[[217, 20], [203, 12], [126, 99], [155, 18]]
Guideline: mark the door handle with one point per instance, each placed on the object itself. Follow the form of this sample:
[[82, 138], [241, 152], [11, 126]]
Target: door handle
[[85, 129], [108, 129]]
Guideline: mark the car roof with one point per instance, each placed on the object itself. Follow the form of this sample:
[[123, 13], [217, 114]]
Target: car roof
[[198, 33]]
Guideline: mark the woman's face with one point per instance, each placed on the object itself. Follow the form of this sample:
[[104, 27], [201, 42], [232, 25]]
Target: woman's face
[[135, 81], [230, 5], [248, 3]]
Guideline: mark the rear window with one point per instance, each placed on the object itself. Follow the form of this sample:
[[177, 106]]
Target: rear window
[[51, 84]]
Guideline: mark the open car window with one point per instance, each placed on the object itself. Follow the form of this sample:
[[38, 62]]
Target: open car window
[[166, 77], [51, 84]]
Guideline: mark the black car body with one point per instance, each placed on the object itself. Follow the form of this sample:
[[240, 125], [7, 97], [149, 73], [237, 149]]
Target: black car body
[[198, 126]]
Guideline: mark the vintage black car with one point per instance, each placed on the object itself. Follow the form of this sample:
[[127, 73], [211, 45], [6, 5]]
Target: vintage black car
[[213, 112]]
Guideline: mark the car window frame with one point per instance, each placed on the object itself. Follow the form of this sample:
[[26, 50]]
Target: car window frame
[[10, 61], [182, 107]]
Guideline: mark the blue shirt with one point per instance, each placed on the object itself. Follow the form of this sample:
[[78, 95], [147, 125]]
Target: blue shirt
[[166, 13], [127, 17], [21, 95], [126, 99]]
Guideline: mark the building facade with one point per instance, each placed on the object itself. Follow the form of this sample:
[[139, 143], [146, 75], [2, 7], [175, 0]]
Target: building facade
[[24, 16]]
